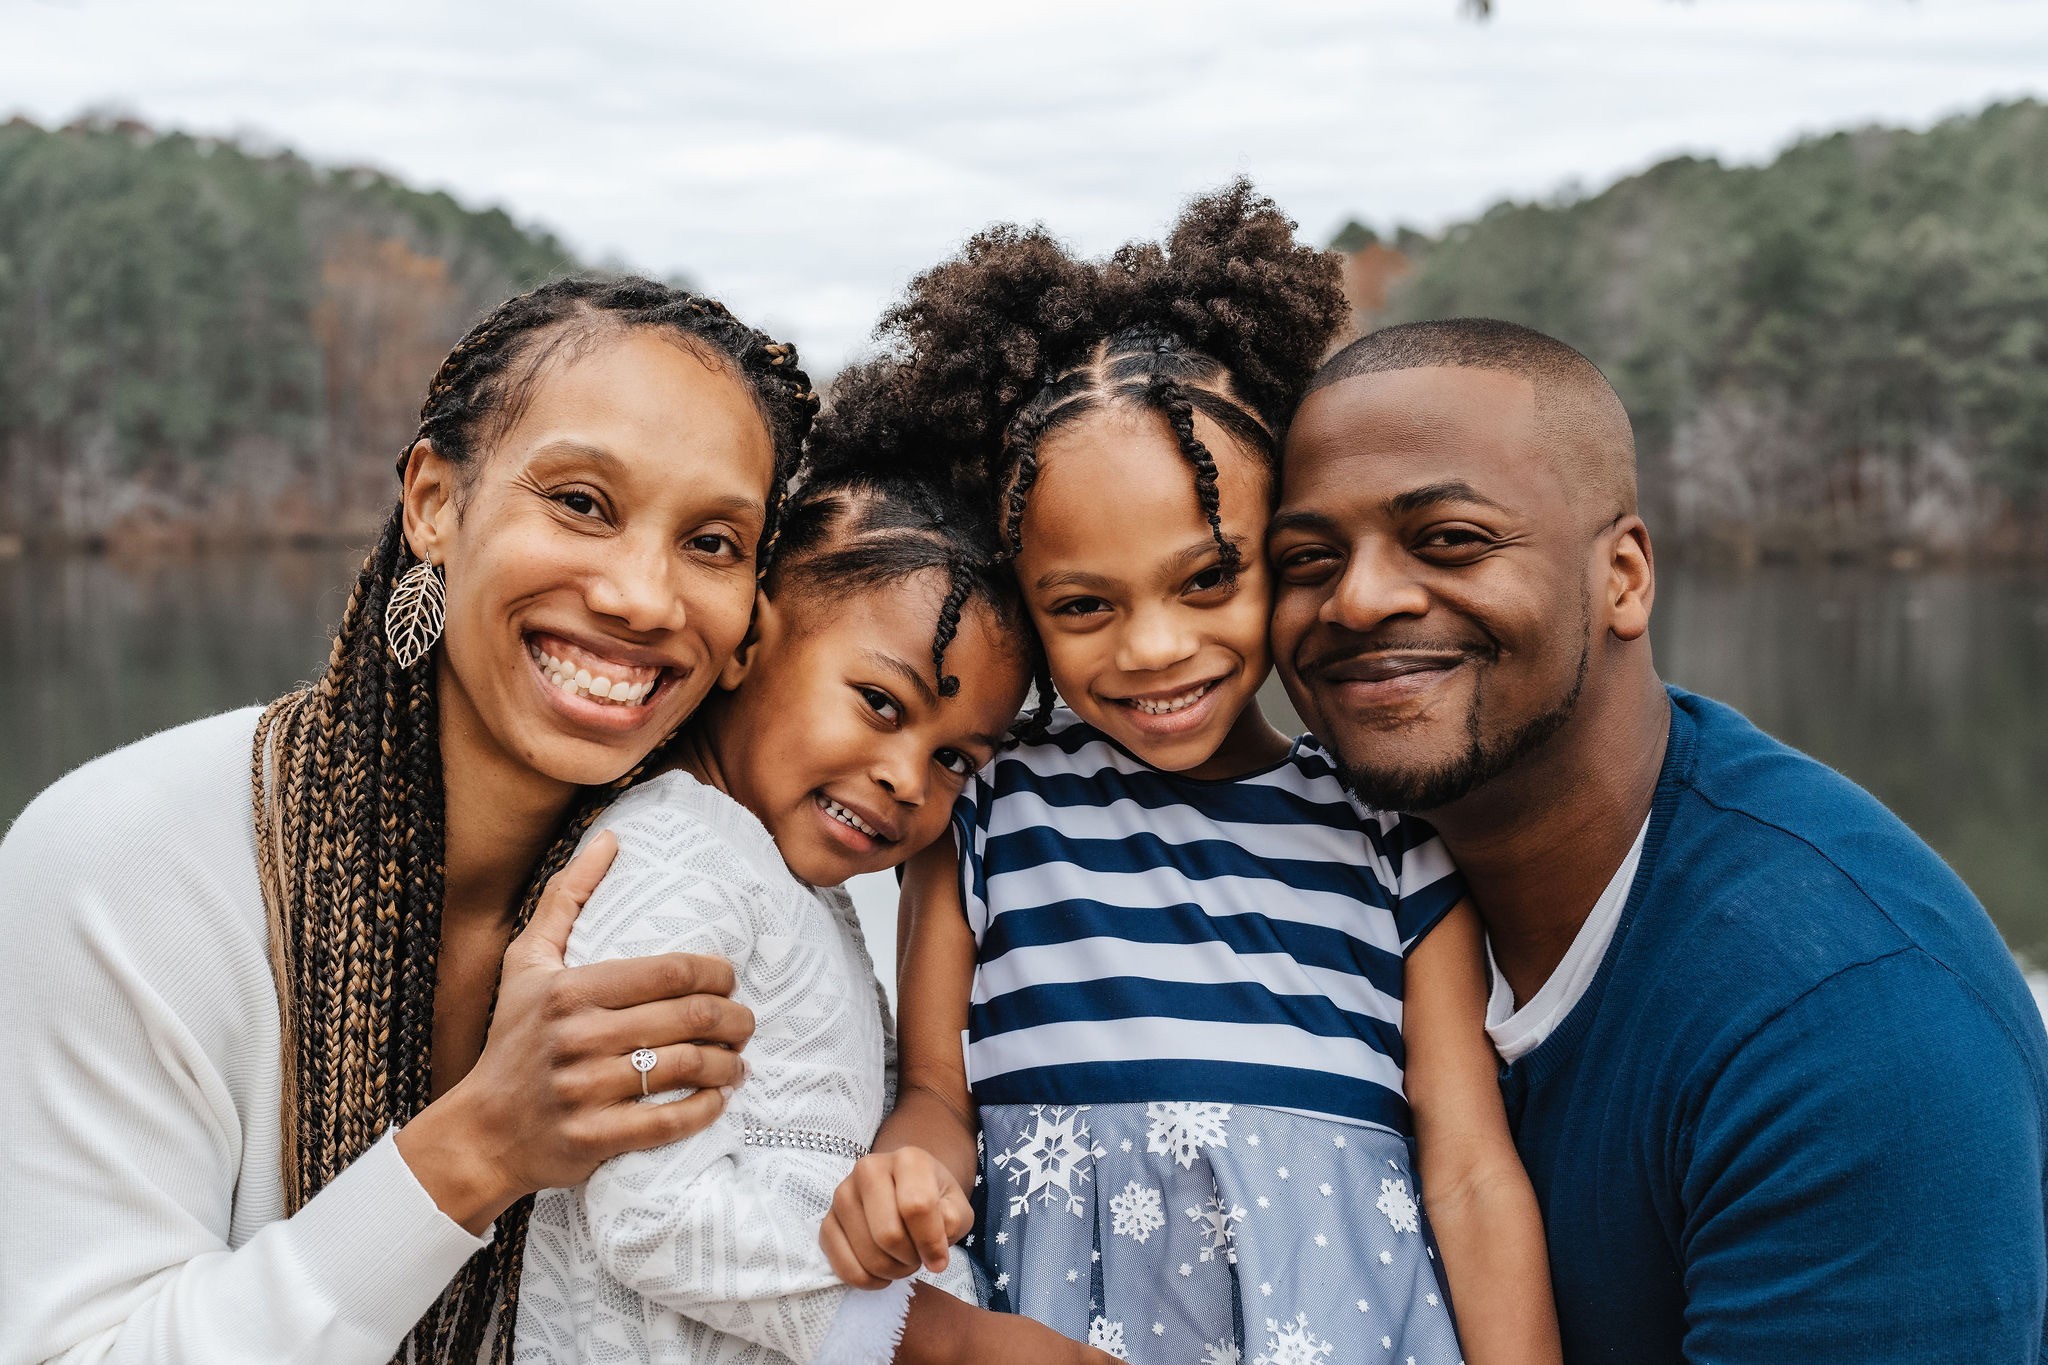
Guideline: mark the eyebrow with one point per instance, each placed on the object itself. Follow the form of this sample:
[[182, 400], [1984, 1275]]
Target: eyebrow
[[733, 504], [1194, 553], [1450, 490], [904, 669]]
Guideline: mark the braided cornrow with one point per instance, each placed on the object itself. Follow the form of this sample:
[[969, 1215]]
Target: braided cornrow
[[348, 795], [1170, 398]]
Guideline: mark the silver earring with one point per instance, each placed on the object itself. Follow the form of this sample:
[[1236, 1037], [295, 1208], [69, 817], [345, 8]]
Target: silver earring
[[414, 615]]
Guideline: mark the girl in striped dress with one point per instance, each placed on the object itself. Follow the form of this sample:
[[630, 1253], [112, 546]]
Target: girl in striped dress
[[1174, 1005]]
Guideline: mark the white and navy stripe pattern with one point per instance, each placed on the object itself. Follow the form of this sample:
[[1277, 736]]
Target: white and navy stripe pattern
[[1147, 937]]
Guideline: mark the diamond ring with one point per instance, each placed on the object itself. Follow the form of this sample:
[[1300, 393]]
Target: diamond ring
[[643, 1060]]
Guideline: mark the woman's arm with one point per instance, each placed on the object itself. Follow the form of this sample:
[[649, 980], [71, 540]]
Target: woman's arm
[[138, 1074], [1480, 1202], [903, 1207]]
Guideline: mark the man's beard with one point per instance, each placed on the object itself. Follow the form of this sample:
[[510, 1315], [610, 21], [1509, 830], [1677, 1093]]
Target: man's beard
[[1480, 762]]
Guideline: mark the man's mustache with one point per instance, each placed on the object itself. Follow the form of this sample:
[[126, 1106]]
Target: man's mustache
[[1384, 648]]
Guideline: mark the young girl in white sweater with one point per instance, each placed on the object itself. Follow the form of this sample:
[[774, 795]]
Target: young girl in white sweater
[[843, 732]]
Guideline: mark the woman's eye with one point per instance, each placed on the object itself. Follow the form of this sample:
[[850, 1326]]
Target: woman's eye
[[581, 503], [716, 543], [881, 703], [953, 761]]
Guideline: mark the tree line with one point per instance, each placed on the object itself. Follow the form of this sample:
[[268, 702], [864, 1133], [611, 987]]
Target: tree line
[[203, 340], [1844, 352]]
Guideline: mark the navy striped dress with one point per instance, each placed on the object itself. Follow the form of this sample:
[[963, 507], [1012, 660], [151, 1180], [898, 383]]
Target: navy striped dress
[[1185, 1046]]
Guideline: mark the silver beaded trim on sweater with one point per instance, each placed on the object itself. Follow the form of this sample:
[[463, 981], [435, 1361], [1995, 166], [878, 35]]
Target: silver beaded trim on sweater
[[804, 1140]]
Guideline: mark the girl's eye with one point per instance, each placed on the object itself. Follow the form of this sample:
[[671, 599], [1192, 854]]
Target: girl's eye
[[1080, 606], [953, 761], [881, 703], [1209, 579]]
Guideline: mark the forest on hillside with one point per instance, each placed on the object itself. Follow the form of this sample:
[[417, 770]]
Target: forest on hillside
[[1844, 352], [204, 341], [1841, 353]]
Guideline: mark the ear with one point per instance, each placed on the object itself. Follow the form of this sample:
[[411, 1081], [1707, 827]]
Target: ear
[[762, 634], [429, 502], [1631, 579]]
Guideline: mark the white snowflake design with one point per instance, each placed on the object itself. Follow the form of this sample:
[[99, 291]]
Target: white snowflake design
[[1218, 1222], [1053, 1159], [1105, 1335], [1221, 1353], [1137, 1213], [1291, 1343], [1182, 1130], [1398, 1205]]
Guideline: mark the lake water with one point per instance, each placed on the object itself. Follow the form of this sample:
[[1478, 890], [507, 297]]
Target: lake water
[[1931, 690]]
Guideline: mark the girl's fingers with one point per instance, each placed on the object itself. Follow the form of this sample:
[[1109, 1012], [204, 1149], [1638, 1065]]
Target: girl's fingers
[[881, 1197], [847, 1266], [959, 1216], [921, 1203], [856, 1214]]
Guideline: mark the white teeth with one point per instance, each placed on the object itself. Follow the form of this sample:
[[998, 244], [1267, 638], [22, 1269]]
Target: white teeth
[[847, 817], [578, 680], [1171, 704]]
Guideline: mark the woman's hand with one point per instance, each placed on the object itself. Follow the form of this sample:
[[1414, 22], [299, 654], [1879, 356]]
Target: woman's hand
[[897, 1212], [554, 1092]]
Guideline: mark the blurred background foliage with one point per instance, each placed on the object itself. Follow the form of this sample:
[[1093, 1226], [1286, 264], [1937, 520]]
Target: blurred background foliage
[[1841, 353], [209, 341]]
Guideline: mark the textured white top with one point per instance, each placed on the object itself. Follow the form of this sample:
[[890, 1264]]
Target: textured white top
[[1518, 1032], [706, 1250], [139, 1091]]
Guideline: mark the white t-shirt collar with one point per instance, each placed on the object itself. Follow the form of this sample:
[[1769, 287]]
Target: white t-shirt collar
[[1518, 1032]]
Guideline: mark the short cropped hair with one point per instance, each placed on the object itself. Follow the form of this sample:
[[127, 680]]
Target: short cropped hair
[[1579, 417]]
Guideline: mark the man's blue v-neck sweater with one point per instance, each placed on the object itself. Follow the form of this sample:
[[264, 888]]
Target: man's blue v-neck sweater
[[1800, 1115]]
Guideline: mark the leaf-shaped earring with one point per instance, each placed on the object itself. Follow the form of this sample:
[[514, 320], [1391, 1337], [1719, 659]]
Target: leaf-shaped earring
[[414, 615]]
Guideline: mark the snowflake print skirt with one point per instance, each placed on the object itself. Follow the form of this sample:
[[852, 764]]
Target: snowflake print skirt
[[1210, 1234]]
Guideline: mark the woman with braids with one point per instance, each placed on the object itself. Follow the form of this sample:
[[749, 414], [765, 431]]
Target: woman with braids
[[1199, 985], [282, 1067], [889, 657]]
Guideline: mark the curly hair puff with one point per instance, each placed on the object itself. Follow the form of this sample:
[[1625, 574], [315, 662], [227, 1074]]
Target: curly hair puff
[[995, 350]]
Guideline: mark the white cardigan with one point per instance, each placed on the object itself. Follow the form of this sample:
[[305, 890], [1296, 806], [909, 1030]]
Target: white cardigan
[[139, 1157], [706, 1250]]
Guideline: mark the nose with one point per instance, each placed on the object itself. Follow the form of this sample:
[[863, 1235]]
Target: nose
[[1154, 639], [899, 769], [635, 585], [1377, 585]]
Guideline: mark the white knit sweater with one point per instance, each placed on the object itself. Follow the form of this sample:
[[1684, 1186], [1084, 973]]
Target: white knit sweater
[[139, 1159], [706, 1250]]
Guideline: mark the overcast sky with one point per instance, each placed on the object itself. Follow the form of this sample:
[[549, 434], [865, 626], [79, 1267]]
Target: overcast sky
[[803, 160]]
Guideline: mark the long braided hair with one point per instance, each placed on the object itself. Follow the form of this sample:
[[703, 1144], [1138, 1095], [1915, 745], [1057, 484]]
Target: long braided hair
[[346, 777], [992, 352]]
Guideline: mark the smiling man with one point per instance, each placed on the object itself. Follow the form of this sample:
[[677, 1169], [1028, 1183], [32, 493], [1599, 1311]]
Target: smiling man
[[1782, 1092]]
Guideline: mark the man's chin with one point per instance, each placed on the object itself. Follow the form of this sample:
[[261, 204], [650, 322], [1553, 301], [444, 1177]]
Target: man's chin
[[1418, 789]]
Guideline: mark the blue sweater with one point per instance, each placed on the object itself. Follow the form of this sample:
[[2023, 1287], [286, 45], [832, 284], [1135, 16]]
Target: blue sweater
[[1800, 1115]]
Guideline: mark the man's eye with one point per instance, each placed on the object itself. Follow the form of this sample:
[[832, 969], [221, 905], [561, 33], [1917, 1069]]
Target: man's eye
[[1454, 542], [1306, 563], [953, 761], [881, 703]]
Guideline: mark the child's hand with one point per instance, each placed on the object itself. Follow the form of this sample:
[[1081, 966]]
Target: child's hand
[[898, 1212]]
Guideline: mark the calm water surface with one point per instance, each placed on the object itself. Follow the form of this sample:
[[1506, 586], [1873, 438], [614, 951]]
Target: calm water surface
[[1930, 690]]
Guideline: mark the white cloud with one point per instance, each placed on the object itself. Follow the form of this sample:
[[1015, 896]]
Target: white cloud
[[803, 159]]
